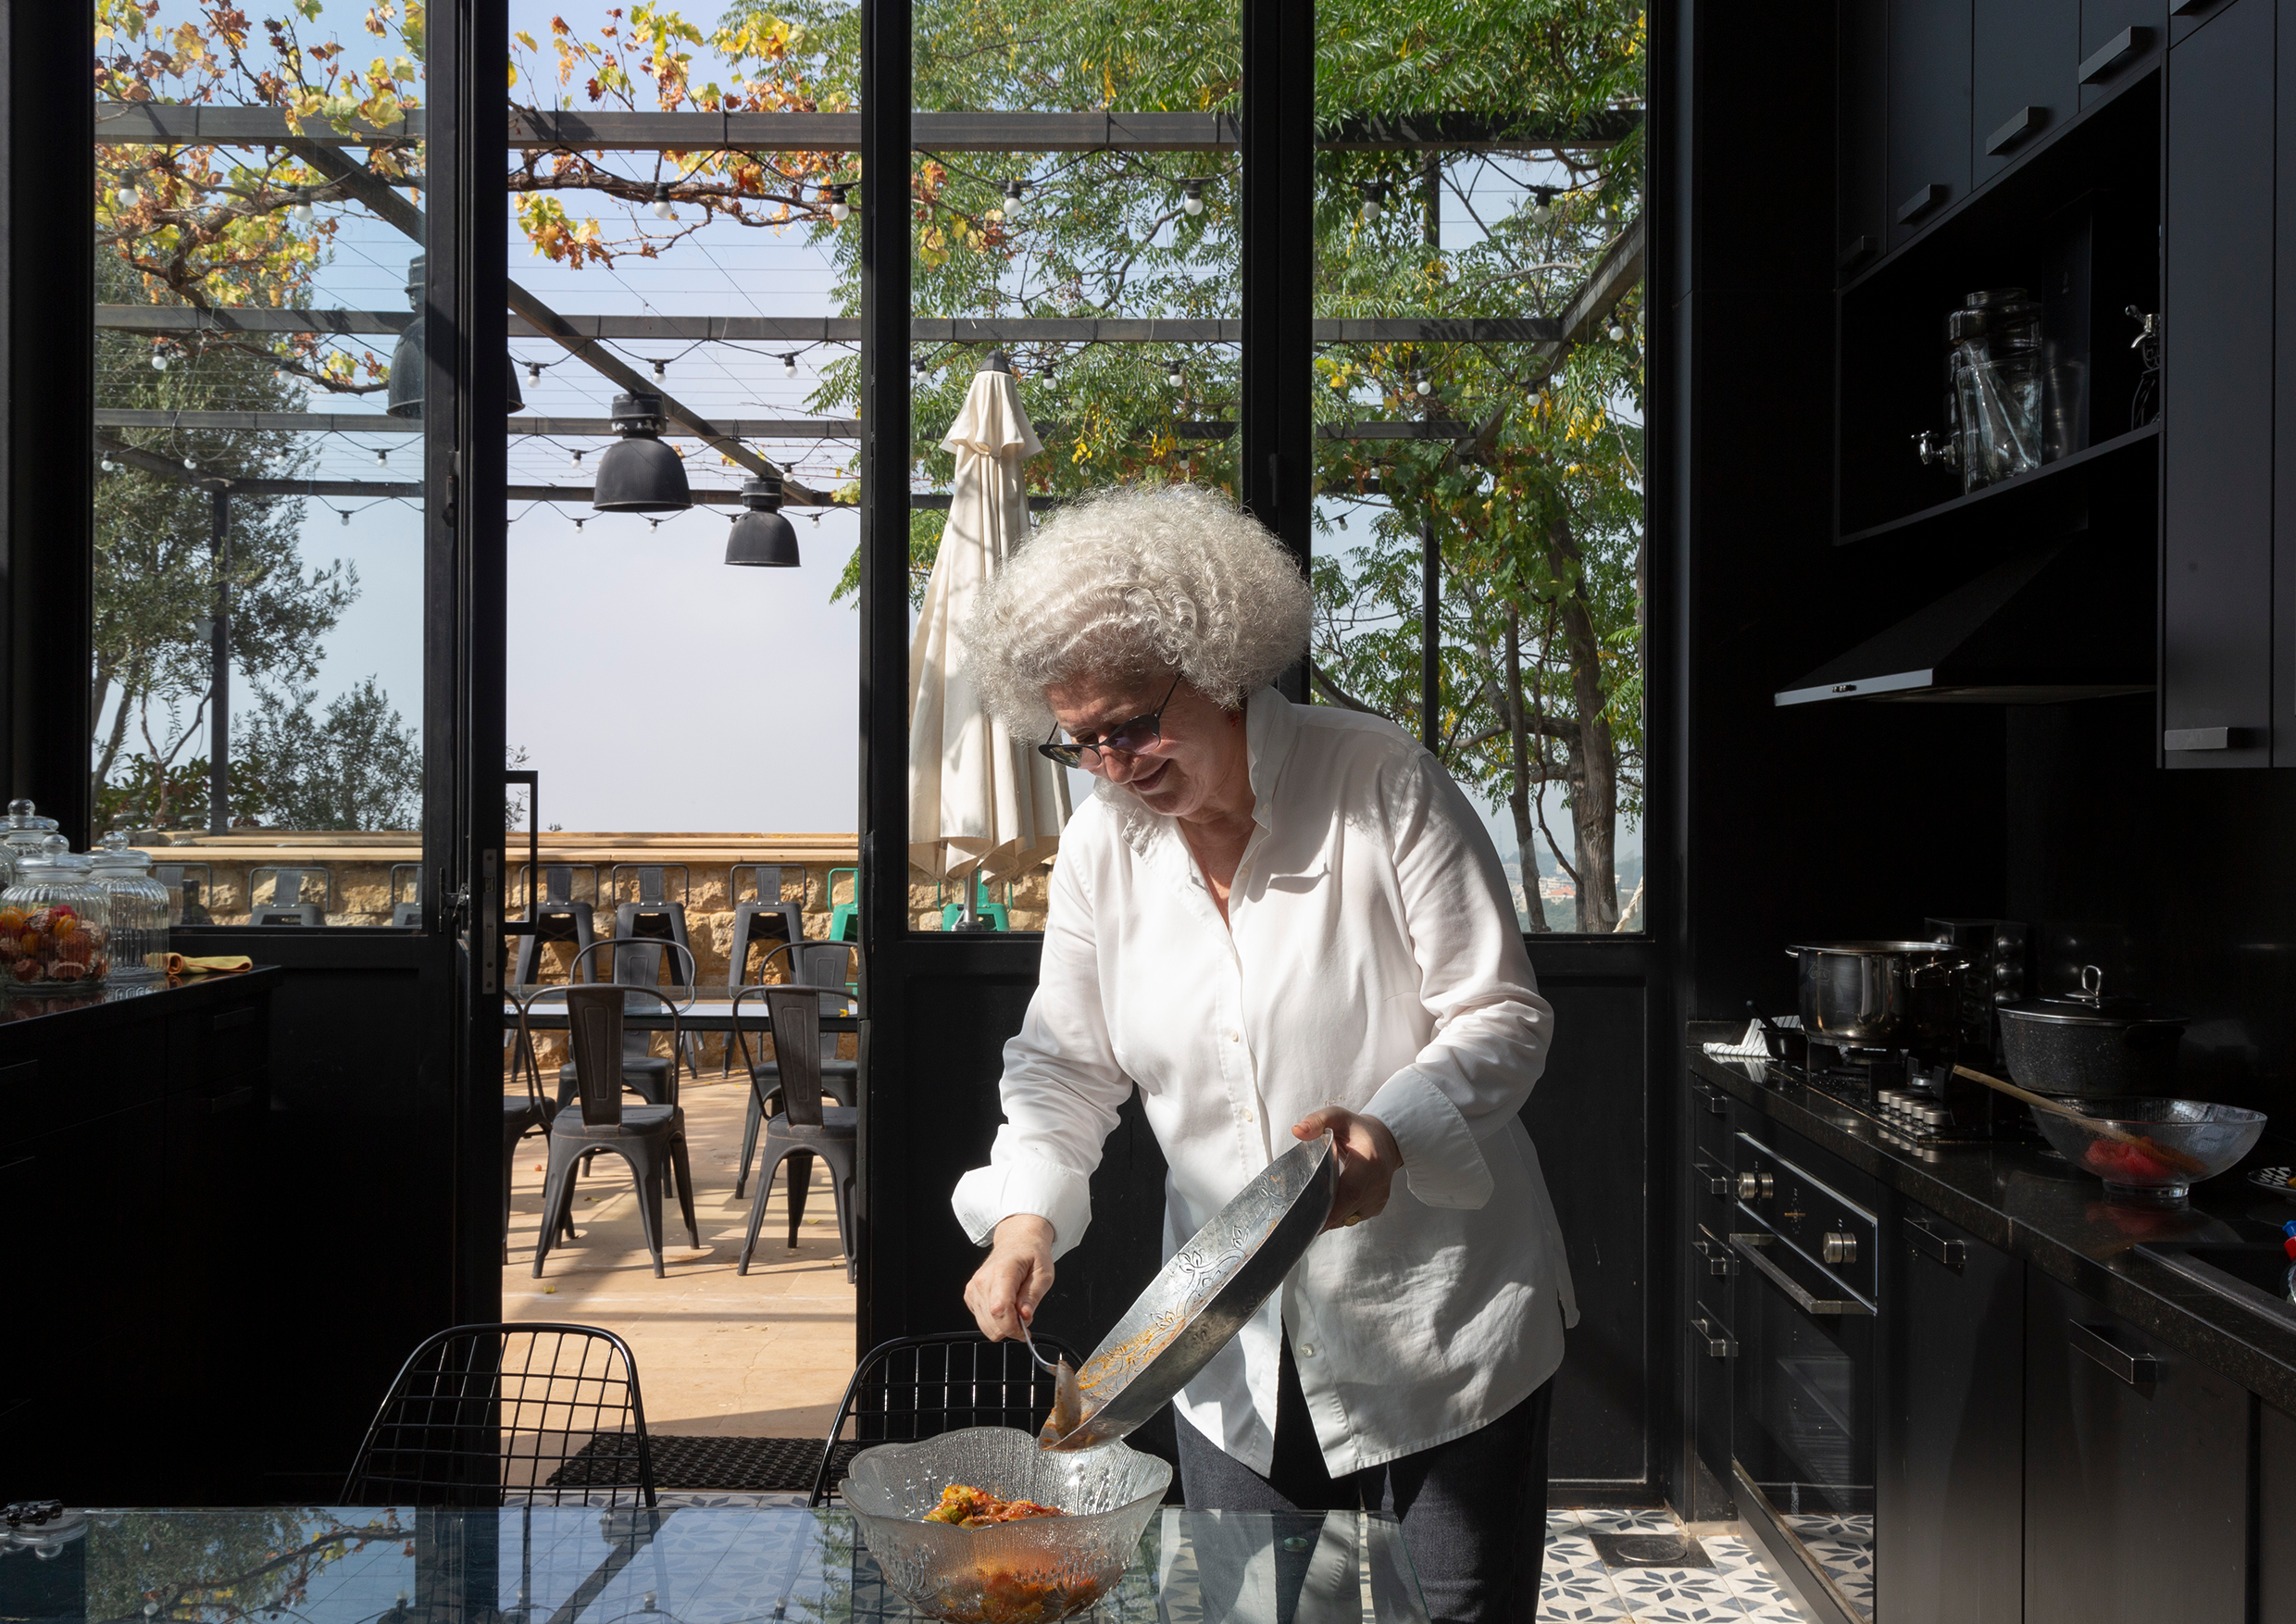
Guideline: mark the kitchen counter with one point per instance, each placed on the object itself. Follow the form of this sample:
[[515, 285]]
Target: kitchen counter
[[40, 1015], [2036, 1206]]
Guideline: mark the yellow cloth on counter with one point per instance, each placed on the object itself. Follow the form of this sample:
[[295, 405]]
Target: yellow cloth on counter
[[175, 964]]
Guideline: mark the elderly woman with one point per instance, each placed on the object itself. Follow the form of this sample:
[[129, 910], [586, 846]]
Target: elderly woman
[[1275, 921]]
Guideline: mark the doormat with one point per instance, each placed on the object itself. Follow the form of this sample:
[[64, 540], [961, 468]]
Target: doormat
[[1678, 1549], [754, 1464]]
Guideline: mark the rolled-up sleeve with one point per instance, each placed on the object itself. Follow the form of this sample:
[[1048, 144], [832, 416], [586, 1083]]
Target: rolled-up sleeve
[[1062, 1086], [1492, 1027]]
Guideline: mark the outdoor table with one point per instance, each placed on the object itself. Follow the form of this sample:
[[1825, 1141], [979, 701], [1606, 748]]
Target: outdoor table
[[712, 1012], [675, 1565]]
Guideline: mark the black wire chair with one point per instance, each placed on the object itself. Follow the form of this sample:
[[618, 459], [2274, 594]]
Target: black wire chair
[[499, 1414], [921, 1386]]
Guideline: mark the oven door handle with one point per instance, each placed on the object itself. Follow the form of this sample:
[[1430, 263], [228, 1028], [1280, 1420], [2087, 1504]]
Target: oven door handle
[[1750, 1248]]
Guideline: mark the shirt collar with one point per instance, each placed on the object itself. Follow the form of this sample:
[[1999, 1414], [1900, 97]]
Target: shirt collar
[[1270, 729]]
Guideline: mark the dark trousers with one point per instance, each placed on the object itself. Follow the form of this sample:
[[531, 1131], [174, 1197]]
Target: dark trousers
[[1474, 1510]]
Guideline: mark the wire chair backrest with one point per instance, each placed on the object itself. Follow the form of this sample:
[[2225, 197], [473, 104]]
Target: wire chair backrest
[[488, 1415], [922, 1386]]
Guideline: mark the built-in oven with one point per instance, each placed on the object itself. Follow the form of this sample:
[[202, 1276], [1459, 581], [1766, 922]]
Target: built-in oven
[[1803, 1420]]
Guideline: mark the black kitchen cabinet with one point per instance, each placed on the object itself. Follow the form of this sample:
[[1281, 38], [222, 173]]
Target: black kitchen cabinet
[[2137, 1491], [2284, 422], [1948, 1504], [2119, 40], [1929, 112], [2275, 1516], [2024, 61], [2216, 699], [1861, 175]]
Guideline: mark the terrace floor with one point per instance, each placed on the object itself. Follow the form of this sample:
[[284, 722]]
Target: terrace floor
[[764, 1354]]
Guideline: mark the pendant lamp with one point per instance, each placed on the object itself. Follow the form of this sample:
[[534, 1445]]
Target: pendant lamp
[[638, 473], [404, 399], [760, 535]]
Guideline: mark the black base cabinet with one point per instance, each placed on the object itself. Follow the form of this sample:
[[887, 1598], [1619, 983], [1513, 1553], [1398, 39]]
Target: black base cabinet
[[1948, 1510], [2137, 1473]]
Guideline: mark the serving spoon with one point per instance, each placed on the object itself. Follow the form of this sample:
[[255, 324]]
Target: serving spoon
[[1067, 1413]]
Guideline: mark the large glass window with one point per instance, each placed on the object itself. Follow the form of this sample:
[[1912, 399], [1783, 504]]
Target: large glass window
[[258, 662], [1478, 404]]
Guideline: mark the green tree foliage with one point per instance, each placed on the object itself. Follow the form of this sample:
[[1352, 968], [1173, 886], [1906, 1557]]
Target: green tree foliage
[[355, 765]]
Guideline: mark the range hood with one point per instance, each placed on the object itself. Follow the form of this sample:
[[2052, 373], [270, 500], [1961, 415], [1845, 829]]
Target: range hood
[[2049, 625]]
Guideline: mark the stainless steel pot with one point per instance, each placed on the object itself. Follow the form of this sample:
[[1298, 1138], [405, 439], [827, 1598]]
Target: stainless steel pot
[[1879, 994], [2090, 1046]]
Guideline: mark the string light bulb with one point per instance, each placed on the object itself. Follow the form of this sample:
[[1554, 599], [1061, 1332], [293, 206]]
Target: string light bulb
[[344, 514], [1191, 197], [580, 522], [128, 196], [301, 211], [382, 457], [789, 365], [533, 371], [159, 362], [1425, 385], [109, 467], [190, 464], [654, 524], [1617, 333], [1015, 205], [1374, 199], [578, 464], [1543, 206], [660, 368], [662, 210], [840, 210], [1176, 378]]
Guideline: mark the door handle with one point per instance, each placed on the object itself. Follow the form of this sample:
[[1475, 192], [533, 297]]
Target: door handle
[[2136, 1370], [1719, 1344], [1718, 1258], [1750, 1248], [1717, 1182], [1953, 1254]]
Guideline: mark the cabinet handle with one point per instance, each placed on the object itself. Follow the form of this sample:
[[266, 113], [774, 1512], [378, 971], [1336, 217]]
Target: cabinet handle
[[1717, 1182], [233, 1018], [2136, 1370], [239, 1099], [2114, 52], [1718, 1258], [1935, 1247], [1856, 249], [1750, 1248], [1719, 1344], [1712, 1099], [2189, 7], [1920, 203], [2205, 738], [2024, 123]]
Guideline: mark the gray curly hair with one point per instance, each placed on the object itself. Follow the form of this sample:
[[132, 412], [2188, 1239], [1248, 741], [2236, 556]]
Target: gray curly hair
[[1131, 581]]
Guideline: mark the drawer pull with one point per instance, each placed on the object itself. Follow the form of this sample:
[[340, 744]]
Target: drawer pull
[[239, 1099], [234, 1017], [2206, 737], [2136, 1370], [1712, 1099], [1856, 249], [1719, 1344], [1953, 1254], [2114, 52], [1718, 1258], [1717, 1182]]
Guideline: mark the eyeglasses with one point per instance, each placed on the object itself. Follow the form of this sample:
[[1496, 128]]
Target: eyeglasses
[[1130, 737]]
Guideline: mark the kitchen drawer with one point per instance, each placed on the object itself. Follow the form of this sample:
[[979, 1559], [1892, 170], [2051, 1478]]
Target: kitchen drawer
[[2136, 1473]]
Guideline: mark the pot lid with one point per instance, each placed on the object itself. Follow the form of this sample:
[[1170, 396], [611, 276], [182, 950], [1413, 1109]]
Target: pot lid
[[2092, 1007]]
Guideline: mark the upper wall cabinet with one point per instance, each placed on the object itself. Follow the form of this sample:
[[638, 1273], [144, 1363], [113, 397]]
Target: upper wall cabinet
[[2119, 39], [2025, 77], [1861, 182], [1927, 156], [2217, 388]]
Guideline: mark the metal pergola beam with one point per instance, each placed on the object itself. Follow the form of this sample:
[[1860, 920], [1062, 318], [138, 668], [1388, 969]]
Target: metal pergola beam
[[356, 423], [528, 129], [809, 329]]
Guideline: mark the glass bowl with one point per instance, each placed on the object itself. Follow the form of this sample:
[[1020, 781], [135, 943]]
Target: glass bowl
[[2213, 1137], [1029, 1572]]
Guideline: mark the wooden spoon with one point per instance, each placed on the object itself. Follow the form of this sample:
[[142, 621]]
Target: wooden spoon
[[2176, 1159]]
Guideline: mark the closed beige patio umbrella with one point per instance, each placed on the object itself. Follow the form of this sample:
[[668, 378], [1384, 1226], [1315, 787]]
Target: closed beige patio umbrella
[[981, 801]]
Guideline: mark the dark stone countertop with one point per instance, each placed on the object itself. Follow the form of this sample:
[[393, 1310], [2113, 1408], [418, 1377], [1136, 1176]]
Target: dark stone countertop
[[2038, 1208], [126, 1000]]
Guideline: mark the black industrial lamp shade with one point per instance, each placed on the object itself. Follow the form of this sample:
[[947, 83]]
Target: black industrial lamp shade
[[760, 535], [404, 399], [638, 473]]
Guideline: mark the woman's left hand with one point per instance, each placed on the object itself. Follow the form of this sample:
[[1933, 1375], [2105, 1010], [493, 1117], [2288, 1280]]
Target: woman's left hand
[[1368, 1161]]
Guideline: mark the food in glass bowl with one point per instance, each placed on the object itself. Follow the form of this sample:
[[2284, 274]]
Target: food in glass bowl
[[1024, 1569], [965, 1506]]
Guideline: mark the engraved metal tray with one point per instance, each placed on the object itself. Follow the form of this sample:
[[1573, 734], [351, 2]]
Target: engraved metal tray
[[1205, 1294]]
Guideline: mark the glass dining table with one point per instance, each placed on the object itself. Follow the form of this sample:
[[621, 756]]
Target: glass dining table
[[691, 1564]]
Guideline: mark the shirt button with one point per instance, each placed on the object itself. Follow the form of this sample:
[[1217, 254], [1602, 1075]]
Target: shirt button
[[1246, 1113], [1307, 1350], [1234, 1037]]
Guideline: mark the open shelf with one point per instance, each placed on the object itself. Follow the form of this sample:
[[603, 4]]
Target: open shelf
[[2048, 494]]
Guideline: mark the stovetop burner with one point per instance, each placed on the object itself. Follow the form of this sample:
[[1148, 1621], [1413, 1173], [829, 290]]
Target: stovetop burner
[[1911, 1101]]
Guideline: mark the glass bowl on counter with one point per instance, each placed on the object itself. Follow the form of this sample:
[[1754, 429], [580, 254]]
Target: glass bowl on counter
[[1030, 1571], [54, 925], [2150, 1151]]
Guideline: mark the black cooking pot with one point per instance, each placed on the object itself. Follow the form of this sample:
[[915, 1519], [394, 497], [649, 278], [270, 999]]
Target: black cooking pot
[[1879, 994], [2088, 1045]]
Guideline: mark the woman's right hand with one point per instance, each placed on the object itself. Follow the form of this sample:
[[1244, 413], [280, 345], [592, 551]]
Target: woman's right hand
[[1004, 1291]]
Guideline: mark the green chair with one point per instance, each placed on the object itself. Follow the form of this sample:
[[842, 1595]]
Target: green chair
[[844, 916], [997, 915]]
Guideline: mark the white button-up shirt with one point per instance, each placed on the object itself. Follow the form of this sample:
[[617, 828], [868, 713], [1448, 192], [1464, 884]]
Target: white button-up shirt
[[1371, 959]]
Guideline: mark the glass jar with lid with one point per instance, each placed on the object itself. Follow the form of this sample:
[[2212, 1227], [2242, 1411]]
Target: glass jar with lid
[[139, 909], [54, 925], [23, 836]]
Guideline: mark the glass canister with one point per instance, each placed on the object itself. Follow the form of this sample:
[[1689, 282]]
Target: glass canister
[[139, 909], [54, 925], [22, 837], [1995, 375]]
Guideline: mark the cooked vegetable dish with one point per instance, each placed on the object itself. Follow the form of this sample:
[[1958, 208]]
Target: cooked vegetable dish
[[969, 1507]]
